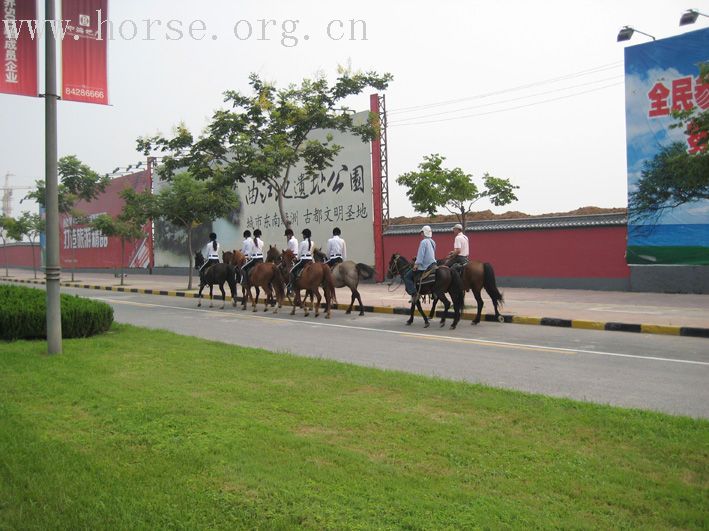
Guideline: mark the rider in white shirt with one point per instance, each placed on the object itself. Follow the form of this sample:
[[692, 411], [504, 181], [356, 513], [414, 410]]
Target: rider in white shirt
[[336, 248], [292, 242], [305, 253], [461, 249], [247, 245], [256, 253], [211, 252]]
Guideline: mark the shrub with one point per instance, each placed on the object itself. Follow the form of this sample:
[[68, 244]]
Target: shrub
[[23, 314]]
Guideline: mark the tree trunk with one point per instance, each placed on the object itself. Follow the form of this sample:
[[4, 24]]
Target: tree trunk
[[189, 250], [461, 218], [4, 246], [123, 252], [281, 207], [34, 261]]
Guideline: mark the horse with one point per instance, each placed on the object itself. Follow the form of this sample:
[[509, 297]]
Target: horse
[[348, 273], [445, 281], [475, 276], [215, 274], [268, 276], [313, 276]]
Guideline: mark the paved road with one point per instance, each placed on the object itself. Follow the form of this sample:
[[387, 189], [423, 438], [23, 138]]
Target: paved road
[[662, 373]]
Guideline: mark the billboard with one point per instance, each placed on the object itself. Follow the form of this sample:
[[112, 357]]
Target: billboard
[[340, 196], [668, 221], [85, 51], [85, 247]]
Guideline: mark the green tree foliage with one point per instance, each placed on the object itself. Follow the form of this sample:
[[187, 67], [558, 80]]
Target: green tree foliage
[[433, 187], [264, 134], [77, 182], [675, 176]]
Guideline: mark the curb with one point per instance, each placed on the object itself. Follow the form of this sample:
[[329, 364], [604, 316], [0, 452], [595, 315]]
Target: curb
[[684, 331]]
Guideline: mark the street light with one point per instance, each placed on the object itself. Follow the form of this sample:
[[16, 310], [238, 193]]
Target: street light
[[690, 17], [626, 32]]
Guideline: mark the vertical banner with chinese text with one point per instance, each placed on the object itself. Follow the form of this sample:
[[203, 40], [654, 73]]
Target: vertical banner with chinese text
[[18, 47], [668, 217], [85, 51]]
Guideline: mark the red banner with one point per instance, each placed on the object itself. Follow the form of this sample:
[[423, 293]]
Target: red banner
[[85, 247], [18, 47], [85, 51]]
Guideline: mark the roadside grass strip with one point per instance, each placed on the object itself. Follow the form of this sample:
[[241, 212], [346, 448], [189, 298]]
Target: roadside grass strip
[[146, 429]]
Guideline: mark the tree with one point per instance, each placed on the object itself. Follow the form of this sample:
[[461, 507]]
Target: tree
[[78, 182], [265, 134], [30, 225], [433, 187], [675, 176], [7, 226], [188, 203]]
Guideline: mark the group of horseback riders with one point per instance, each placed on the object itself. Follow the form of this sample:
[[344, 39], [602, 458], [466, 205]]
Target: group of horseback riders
[[253, 249]]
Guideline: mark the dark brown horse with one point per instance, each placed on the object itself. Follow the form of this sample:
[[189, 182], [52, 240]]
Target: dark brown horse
[[445, 281], [348, 273], [312, 277], [477, 276], [215, 274]]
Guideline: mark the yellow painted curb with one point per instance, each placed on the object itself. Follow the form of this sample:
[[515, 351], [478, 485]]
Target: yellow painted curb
[[660, 329], [587, 325], [518, 319]]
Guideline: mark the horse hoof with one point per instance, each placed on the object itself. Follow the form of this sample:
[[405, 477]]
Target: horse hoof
[[361, 313], [452, 327], [427, 324], [254, 310], [408, 323], [443, 323], [500, 319], [473, 322], [348, 312], [327, 316]]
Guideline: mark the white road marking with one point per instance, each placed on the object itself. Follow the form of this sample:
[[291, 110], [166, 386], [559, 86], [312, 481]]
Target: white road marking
[[483, 342]]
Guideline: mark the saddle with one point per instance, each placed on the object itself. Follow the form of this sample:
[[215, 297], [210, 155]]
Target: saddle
[[428, 276]]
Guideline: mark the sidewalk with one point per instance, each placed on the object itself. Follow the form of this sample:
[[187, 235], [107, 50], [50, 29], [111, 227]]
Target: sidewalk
[[525, 304]]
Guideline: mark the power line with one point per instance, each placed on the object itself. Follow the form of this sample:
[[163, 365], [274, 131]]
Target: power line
[[509, 108], [403, 120], [564, 77]]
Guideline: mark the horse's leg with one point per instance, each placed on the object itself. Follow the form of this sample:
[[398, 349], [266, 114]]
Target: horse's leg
[[221, 288], [296, 299], [446, 305], [328, 302], [255, 301], [211, 295], [423, 314], [361, 304], [434, 302], [317, 304], [352, 301], [457, 309], [199, 295], [479, 300], [269, 296]]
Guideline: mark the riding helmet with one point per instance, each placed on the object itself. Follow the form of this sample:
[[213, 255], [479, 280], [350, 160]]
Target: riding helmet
[[306, 233], [247, 234], [257, 233], [212, 236]]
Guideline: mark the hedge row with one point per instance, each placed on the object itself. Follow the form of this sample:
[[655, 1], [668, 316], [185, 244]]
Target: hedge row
[[23, 314]]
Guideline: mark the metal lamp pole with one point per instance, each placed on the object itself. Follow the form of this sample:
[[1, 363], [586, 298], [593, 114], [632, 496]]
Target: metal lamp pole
[[52, 268]]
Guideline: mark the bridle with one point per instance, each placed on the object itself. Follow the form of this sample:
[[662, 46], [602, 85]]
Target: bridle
[[398, 270]]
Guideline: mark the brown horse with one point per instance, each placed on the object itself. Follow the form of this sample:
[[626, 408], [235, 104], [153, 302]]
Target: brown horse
[[348, 273], [312, 277], [477, 276], [268, 276], [445, 280]]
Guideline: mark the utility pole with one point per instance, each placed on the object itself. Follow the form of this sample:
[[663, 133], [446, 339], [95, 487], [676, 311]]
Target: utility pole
[[53, 268]]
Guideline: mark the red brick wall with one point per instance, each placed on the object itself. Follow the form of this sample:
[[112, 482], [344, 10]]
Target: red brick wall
[[20, 254]]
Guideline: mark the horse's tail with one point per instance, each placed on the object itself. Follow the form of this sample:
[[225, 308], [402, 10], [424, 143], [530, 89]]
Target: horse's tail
[[456, 291], [490, 285], [278, 282], [364, 271]]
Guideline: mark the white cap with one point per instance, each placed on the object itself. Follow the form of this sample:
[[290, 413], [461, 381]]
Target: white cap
[[427, 231], [458, 226]]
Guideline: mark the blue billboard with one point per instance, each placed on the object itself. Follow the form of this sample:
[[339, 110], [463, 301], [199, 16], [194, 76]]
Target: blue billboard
[[668, 213]]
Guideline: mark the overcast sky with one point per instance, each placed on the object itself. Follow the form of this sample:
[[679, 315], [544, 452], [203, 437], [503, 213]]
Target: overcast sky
[[534, 89]]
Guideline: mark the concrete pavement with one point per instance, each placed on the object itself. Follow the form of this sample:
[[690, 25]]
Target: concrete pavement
[[674, 314]]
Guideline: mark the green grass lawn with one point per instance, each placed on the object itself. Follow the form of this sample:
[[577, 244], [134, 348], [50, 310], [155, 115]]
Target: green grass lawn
[[139, 429]]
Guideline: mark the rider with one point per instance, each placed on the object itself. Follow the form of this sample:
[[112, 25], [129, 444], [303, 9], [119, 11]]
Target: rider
[[305, 254], [211, 252], [336, 248], [425, 258], [459, 255], [255, 253], [292, 242]]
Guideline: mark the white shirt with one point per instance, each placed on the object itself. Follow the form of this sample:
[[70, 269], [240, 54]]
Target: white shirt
[[210, 253], [247, 247], [293, 245], [304, 252], [461, 243], [336, 247], [257, 248]]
